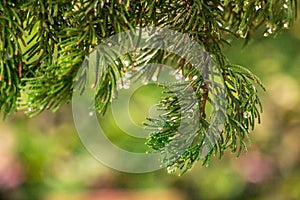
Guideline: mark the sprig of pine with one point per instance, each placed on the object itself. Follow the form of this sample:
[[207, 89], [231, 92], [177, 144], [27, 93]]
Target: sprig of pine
[[43, 44]]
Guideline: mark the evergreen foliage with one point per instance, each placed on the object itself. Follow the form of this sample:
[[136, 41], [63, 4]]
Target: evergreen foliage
[[43, 44]]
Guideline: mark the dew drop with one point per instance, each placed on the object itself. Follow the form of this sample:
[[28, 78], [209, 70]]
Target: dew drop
[[154, 78], [257, 7], [173, 118], [115, 95], [9, 56], [145, 81], [246, 115], [220, 8], [126, 62], [270, 31], [219, 24], [171, 169], [124, 83], [178, 76]]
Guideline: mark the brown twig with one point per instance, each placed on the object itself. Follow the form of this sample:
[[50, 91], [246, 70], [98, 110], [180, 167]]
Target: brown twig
[[20, 68]]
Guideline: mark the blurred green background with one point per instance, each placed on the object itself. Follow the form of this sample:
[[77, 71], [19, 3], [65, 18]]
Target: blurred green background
[[43, 158]]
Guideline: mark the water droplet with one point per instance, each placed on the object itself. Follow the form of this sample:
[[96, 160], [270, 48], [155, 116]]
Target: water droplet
[[171, 169], [247, 115], [115, 95], [270, 31], [126, 62], [173, 118], [8, 56], [145, 81], [242, 34], [257, 7], [91, 113], [128, 75], [178, 75], [154, 78], [124, 83], [220, 8]]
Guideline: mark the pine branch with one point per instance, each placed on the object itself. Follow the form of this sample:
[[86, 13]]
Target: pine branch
[[44, 43]]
